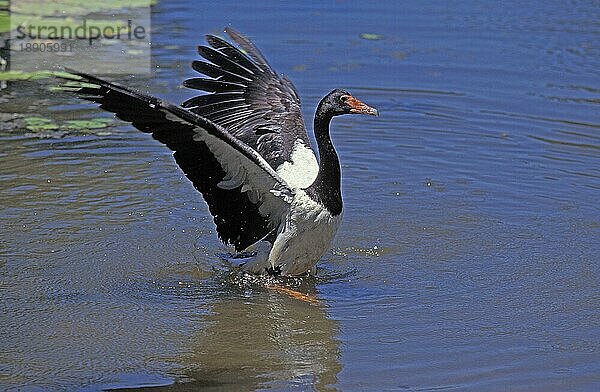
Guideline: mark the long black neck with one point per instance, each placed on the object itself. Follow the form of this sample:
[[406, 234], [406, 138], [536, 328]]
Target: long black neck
[[327, 185]]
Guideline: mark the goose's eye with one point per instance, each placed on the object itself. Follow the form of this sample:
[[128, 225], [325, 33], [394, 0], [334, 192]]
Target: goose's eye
[[344, 98]]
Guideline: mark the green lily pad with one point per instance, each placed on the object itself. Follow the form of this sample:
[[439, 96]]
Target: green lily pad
[[74, 7], [87, 125], [52, 26], [20, 75], [38, 124], [51, 13], [4, 22], [371, 37], [47, 127]]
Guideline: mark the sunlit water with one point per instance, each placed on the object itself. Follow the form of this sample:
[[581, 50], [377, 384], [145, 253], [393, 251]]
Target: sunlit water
[[467, 260]]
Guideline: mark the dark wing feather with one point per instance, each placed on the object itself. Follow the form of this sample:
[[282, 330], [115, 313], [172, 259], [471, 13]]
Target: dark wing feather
[[238, 220], [248, 98], [249, 47]]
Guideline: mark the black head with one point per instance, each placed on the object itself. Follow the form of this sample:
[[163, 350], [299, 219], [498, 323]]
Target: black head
[[340, 102]]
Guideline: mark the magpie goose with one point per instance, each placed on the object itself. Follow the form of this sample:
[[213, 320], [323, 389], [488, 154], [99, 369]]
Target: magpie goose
[[244, 146]]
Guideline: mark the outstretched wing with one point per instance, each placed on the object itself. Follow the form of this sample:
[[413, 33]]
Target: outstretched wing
[[246, 196], [255, 105]]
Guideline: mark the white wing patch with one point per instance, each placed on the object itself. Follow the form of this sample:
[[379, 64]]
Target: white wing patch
[[302, 171], [271, 196]]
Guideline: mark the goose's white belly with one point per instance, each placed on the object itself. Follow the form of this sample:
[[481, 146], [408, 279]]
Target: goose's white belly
[[304, 236]]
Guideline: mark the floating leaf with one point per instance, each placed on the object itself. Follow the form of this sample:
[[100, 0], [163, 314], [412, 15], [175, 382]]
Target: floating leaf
[[371, 37], [38, 124], [20, 75], [86, 125]]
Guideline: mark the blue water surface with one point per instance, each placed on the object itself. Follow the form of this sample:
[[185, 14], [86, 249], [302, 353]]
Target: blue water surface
[[467, 259]]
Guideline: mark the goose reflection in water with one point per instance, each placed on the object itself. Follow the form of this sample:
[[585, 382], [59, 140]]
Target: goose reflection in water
[[258, 337]]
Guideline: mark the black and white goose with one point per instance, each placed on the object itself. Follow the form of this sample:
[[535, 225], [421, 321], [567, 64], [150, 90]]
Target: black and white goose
[[244, 146]]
